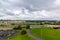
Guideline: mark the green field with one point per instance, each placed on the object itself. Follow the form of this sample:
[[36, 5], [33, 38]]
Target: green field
[[46, 33], [22, 37]]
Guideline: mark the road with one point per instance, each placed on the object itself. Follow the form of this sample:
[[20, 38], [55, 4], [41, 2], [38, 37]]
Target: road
[[33, 36]]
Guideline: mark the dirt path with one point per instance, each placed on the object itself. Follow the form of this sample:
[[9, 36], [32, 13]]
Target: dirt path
[[33, 36]]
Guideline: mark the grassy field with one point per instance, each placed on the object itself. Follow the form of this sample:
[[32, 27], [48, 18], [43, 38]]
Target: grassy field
[[22, 37], [46, 33]]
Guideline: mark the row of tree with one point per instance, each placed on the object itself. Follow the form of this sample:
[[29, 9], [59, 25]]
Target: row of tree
[[43, 23], [20, 28]]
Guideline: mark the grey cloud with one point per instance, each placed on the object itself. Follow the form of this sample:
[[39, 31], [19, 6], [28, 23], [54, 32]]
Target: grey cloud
[[37, 4], [30, 9]]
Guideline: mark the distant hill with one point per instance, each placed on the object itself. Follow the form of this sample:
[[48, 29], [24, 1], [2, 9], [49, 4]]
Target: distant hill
[[41, 20], [32, 20]]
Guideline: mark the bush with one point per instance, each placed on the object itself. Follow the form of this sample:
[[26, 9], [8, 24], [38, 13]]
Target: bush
[[23, 32]]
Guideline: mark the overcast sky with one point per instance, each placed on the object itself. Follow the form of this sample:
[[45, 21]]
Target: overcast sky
[[30, 9]]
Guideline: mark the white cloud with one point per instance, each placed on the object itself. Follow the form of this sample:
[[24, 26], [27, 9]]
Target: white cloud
[[29, 10], [57, 2], [24, 14]]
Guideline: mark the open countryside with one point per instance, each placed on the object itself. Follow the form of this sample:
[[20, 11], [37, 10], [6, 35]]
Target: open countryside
[[29, 30]]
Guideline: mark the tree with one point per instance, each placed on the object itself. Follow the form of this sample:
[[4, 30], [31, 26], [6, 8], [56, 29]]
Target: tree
[[18, 27], [23, 32], [13, 24], [28, 27]]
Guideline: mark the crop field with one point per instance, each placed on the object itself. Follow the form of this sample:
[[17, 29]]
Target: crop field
[[46, 33]]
